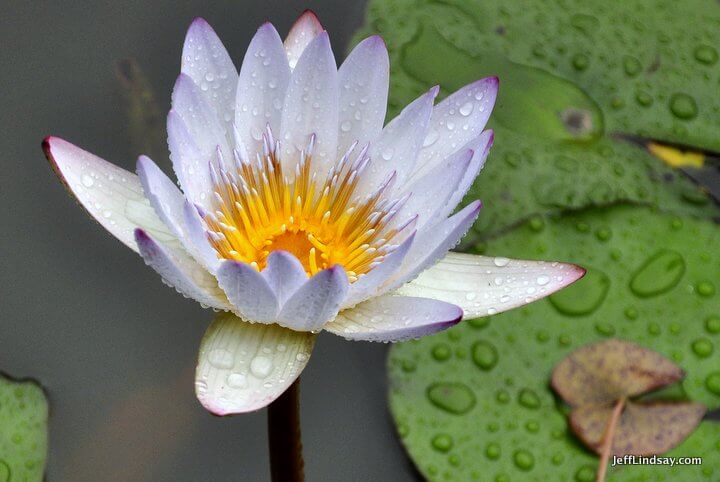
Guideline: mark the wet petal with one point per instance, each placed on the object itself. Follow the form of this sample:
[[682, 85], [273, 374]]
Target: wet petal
[[243, 367], [456, 120], [261, 88], [394, 318], [363, 79], [207, 63], [311, 107], [112, 195], [250, 293], [483, 285], [303, 31], [285, 274], [316, 302], [181, 272], [163, 194]]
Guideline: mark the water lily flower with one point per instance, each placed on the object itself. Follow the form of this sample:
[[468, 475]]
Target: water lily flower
[[300, 212]]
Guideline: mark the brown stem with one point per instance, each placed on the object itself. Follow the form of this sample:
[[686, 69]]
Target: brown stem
[[608, 439], [286, 461]]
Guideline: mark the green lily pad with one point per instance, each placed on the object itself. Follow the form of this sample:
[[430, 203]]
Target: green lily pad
[[567, 88], [516, 429], [23, 431]]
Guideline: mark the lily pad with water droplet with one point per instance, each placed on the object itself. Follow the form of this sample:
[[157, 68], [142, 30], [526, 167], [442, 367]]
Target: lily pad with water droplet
[[23, 430], [516, 427], [572, 76]]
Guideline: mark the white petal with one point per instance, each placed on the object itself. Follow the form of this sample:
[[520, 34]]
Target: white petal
[[456, 120], [112, 195], [207, 63], [370, 284], [196, 241], [181, 272], [316, 302], [261, 88], [394, 318], [285, 274], [431, 193], [311, 107], [248, 291], [433, 242], [483, 285], [363, 79], [201, 122], [397, 147], [303, 31], [163, 194], [189, 162], [480, 147], [243, 367]]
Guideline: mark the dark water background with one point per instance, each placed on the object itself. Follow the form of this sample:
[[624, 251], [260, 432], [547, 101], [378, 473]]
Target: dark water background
[[113, 346]]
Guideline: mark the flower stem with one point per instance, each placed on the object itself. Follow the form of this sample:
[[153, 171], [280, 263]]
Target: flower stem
[[286, 461], [608, 439]]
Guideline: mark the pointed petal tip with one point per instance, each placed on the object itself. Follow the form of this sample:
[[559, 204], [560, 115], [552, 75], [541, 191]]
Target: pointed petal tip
[[198, 22], [310, 19], [434, 91]]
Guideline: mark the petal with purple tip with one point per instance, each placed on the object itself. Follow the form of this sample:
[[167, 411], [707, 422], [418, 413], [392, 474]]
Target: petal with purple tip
[[394, 318], [112, 195], [244, 367], [483, 285], [480, 147], [311, 107], [261, 87], [363, 79], [303, 31], [456, 120], [207, 63], [249, 292], [189, 162], [181, 272], [316, 302]]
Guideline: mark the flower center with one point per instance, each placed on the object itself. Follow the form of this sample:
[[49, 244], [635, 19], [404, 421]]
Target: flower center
[[257, 209]]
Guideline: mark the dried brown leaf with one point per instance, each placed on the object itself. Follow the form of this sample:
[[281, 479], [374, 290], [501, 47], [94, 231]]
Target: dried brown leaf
[[607, 371], [643, 429]]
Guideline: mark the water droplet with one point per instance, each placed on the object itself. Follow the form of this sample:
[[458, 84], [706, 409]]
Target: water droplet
[[442, 442], [542, 280], [502, 396], [532, 426], [705, 288], [87, 180], [237, 380], [523, 460], [345, 126], [528, 398], [658, 274], [261, 366], [631, 313], [387, 153], [712, 383], [580, 62], [456, 398], [683, 106], [586, 473], [712, 324], [537, 223], [643, 98], [500, 261], [705, 54], [604, 328], [702, 347], [492, 451], [582, 297], [221, 358], [631, 66], [408, 366], [479, 323], [466, 109], [484, 355], [441, 352]]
